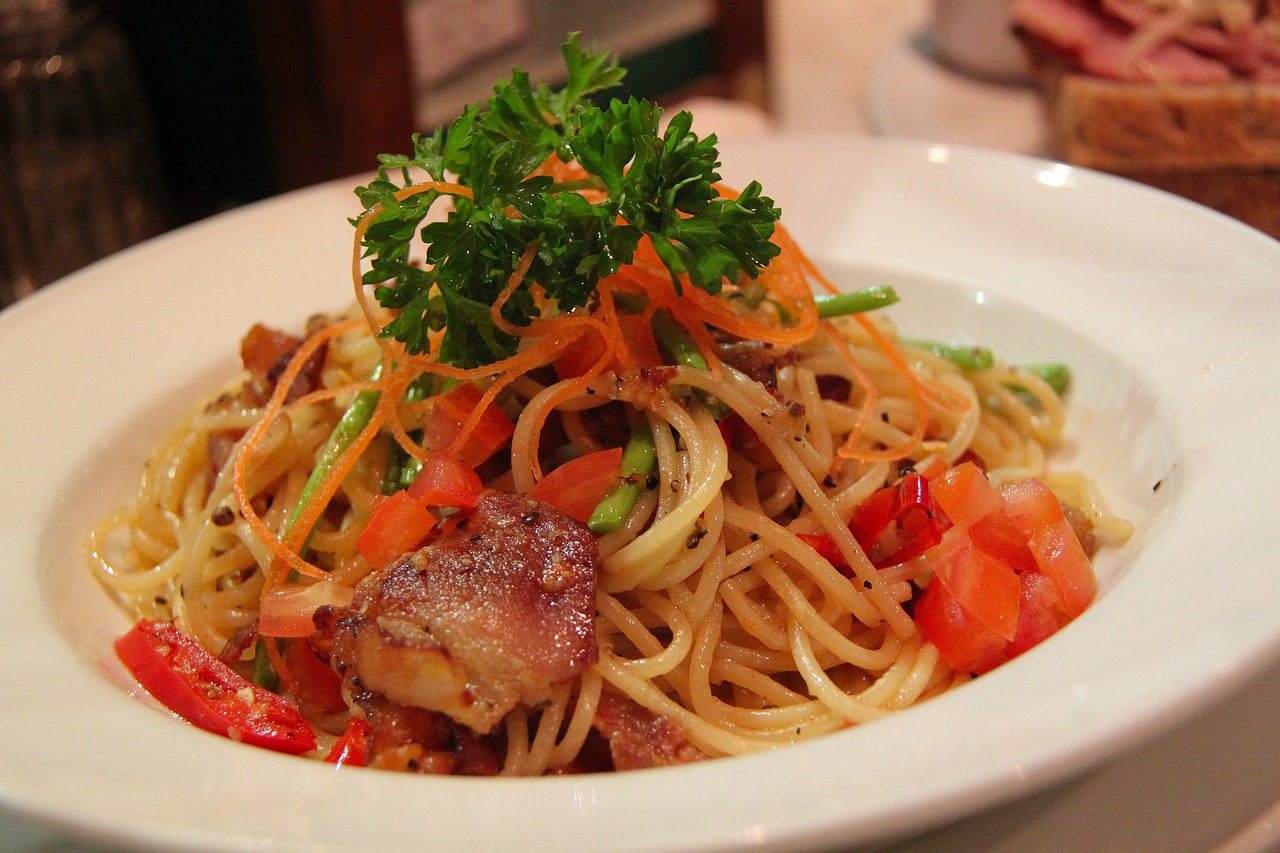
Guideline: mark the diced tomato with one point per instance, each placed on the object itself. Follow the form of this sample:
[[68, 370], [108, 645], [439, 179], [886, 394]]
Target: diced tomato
[[996, 534], [287, 611], [448, 413], [962, 641], [399, 523], [1035, 510], [352, 749], [1011, 569], [637, 336], [190, 681], [318, 687], [577, 486], [987, 589], [965, 495], [1038, 616], [446, 481], [968, 645]]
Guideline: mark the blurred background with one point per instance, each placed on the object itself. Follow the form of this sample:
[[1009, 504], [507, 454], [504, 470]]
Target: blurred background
[[120, 119]]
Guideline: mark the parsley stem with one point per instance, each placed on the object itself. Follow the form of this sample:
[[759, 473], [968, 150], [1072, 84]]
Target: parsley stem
[[855, 301]]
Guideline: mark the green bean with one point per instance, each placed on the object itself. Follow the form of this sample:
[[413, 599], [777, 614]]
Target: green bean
[[639, 459], [855, 302]]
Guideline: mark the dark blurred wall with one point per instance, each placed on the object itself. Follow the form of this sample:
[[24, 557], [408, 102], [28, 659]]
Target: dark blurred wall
[[201, 76]]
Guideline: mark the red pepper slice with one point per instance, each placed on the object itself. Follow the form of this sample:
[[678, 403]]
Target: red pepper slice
[[352, 749], [190, 681], [909, 504]]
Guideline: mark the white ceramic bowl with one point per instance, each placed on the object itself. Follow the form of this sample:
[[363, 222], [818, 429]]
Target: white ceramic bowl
[[1164, 309]]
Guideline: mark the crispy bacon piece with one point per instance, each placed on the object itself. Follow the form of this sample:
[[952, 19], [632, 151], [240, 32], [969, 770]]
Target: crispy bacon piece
[[489, 616], [266, 352], [639, 738], [758, 360]]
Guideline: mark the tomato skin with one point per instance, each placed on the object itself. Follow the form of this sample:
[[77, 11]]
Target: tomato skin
[[399, 523], [190, 681], [577, 486], [451, 409], [447, 481], [1035, 510]]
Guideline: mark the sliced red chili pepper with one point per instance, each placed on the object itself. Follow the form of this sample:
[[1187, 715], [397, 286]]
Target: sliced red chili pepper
[[898, 522], [352, 749], [190, 681], [826, 548]]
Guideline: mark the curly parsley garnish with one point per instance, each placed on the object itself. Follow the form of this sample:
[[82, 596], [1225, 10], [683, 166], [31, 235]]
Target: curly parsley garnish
[[654, 184]]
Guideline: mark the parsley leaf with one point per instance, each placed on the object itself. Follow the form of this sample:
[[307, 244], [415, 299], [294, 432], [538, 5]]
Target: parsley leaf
[[655, 183]]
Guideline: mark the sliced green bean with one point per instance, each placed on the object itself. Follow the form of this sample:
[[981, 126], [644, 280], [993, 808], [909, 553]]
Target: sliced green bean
[[639, 459], [675, 341], [1056, 374], [965, 358], [855, 302]]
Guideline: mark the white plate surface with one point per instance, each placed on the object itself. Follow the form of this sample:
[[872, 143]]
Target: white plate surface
[[1164, 309]]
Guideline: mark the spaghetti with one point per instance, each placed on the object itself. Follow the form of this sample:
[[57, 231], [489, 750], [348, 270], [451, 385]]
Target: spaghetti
[[714, 609], [664, 522]]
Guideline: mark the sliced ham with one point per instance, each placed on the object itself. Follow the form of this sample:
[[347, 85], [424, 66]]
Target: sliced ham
[[490, 616], [1131, 40]]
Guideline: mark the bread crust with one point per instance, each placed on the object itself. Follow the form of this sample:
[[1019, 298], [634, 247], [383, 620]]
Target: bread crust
[[1217, 144]]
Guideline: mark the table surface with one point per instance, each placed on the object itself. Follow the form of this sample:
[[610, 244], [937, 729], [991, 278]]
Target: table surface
[[1212, 784]]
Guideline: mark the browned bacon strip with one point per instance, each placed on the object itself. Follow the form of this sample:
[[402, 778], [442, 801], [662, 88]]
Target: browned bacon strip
[[486, 618], [639, 738]]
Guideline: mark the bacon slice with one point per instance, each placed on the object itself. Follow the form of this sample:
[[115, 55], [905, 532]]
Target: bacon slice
[[488, 617], [639, 738]]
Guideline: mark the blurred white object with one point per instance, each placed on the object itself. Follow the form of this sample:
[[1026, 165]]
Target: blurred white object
[[976, 37], [722, 116], [451, 35]]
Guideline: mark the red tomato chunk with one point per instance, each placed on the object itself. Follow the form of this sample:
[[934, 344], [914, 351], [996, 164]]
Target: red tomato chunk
[[1008, 574]]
